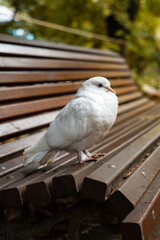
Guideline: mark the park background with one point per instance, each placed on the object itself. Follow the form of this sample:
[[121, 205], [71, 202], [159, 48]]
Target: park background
[[133, 24]]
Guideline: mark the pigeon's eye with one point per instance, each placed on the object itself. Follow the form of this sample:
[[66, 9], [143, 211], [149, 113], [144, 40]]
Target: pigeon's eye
[[100, 85]]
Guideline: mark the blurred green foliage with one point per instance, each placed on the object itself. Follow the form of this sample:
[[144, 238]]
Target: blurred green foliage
[[136, 21]]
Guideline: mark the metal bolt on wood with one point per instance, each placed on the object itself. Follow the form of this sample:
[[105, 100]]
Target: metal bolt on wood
[[111, 166], [10, 177], [2, 168], [153, 214], [144, 174]]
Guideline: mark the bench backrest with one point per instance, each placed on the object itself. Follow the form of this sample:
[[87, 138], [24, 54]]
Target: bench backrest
[[41, 77]]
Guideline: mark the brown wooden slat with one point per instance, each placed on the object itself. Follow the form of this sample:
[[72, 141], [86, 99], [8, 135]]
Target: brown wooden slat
[[17, 146], [52, 76], [34, 63], [136, 111], [51, 45], [74, 65], [65, 64], [121, 82], [129, 97], [18, 109], [10, 93], [10, 166], [12, 50], [139, 223], [124, 90], [28, 123], [99, 183], [131, 105]]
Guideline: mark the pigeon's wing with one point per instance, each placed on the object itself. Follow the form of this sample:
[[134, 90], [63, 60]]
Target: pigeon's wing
[[72, 124]]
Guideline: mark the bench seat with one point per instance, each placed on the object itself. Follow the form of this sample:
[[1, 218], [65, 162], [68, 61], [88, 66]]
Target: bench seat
[[36, 80]]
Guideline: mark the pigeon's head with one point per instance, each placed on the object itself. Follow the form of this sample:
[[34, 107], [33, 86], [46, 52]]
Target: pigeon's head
[[99, 84]]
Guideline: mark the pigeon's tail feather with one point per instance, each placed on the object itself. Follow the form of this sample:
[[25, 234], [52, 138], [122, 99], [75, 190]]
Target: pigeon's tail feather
[[34, 158], [34, 154]]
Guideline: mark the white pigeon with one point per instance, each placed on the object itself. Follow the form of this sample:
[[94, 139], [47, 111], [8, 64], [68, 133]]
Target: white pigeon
[[83, 122]]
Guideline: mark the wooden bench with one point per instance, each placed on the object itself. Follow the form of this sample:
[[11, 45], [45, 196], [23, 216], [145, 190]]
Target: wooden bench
[[36, 80]]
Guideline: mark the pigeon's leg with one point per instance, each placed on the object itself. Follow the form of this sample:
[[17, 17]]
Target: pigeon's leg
[[82, 157], [89, 155]]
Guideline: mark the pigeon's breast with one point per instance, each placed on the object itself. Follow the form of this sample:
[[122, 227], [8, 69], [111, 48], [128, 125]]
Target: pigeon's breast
[[104, 114]]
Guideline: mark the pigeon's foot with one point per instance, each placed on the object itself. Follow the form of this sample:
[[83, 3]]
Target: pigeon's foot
[[86, 156], [87, 153], [96, 156]]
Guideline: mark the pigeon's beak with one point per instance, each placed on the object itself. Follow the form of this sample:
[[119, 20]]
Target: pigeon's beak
[[110, 89]]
